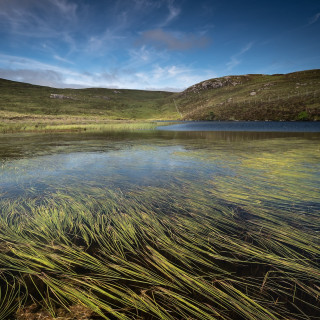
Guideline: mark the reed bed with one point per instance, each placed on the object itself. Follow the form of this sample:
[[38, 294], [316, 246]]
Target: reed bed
[[206, 248], [78, 125]]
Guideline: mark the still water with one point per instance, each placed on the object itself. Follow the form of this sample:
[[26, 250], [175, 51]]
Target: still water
[[182, 220], [256, 126], [270, 169]]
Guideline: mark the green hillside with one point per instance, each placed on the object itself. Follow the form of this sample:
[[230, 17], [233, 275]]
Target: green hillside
[[29, 99], [293, 96]]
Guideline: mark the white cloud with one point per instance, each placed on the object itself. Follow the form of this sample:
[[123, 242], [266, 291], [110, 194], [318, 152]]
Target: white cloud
[[16, 62], [246, 48], [33, 71], [34, 16], [235, 59], [315, 18], [232, 63], [40, 77], [57, 57], [67, 8], [173, 76], [176, 77], [52, 20], [99, 44], [174, 12], [140, 55]]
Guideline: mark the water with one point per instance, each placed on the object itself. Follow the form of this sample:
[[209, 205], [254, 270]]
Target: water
[[282, 168], [257, 126], [211, 218]]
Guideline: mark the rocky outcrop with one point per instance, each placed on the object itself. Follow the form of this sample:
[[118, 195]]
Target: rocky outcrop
[[60, 96], [217, 83]]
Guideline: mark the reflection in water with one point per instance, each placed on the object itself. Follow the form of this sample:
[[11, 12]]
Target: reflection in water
[[273, 164], [30, 145], [163, 225], [258, 126]]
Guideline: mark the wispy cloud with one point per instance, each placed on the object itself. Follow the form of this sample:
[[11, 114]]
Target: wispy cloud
[[174, 11], [68, 9], [172, 41], [40, 77], [158, 77], [16, 62], [104, 42], [246, 48], [141, 56], [168, 76], [33, 71], [47, 20], [57, 57], [315, 18], [32, 16], [236, 58]]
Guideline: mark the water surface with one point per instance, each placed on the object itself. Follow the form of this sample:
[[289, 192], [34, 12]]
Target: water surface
[[283, 167], [256, 126], [163, 224]]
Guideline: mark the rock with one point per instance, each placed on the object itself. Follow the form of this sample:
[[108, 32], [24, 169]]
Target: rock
[[56, 96], [60, 96], [253, 93], [206, 84], [216, 83]]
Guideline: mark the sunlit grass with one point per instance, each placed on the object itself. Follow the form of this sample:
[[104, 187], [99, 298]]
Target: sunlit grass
[[77, 127]]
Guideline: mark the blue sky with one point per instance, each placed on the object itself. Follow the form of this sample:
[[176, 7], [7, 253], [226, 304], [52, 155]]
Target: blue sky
[[154, 44]]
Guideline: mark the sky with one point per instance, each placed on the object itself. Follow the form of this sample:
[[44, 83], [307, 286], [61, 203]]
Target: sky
[[154, 44]]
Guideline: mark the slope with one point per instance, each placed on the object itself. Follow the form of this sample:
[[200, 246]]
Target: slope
[[293, 96], [27, 99]]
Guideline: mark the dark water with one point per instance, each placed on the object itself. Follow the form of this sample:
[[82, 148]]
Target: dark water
[[280, 169], [257, 126]]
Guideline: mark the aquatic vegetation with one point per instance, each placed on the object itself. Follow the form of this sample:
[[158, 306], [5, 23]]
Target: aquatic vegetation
[[216, 232]]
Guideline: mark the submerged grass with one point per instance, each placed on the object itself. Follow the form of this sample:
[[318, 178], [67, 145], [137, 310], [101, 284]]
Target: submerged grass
[[191, 249], [127, 259]]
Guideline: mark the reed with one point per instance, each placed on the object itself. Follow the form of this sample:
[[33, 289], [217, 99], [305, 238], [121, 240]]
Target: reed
[[64, 126]]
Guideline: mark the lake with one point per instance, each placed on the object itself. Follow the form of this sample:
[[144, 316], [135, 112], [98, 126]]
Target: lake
[[212, 220], [244, 126]]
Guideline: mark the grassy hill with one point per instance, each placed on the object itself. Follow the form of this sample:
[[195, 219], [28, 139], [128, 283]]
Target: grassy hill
[[293, 96], [29, 99]]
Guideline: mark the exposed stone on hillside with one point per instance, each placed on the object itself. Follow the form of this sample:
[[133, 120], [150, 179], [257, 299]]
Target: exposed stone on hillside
[[60, 96], [253, 97], [217, 83]]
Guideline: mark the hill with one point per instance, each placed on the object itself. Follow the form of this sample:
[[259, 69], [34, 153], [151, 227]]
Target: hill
[[27, 99], [293, 96]]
